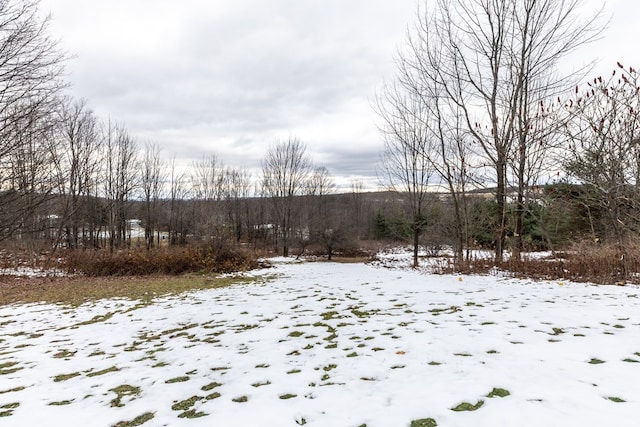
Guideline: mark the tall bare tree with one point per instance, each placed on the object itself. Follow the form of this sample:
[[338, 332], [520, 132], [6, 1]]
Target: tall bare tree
[[31, 68], [77, 161], [285, 171], [497, 61], [405, 162], [207, 179], [120, 181], [152, 180]]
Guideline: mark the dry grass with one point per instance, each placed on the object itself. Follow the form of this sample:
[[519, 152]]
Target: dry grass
[[583, 262], [78, 290]]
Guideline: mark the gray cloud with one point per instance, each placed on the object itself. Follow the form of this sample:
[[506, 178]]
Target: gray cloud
[[232, 77]]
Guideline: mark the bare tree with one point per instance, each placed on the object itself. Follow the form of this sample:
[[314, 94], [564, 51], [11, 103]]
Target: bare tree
[[152, 180], [236, 191], [30, 82], [120, 181], [207, 179], [405, 163], [76, 160], [443, 123], [285, 171], [498, 62]]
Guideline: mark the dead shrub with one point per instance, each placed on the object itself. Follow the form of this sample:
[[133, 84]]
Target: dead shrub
[[170, 261], [582, 262]]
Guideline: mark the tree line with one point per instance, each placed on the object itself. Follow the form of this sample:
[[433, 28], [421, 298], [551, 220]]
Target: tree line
[[478, 106]]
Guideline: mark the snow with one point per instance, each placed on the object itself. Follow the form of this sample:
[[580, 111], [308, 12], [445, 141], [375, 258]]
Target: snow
[[356, 344]]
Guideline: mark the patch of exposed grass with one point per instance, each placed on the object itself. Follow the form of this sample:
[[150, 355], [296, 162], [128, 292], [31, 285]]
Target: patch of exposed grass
[[64, 354], [61, 403], [287, 396], [465, 406], [240, 399], [498, 392], [616, 399], [65, 377], [424, 422], [595, 361], [177, 380], [184, 405], [210, 386], [104, 371], [328, 315], [260, 383], [96, 319], [296, 334], [7, 410], [192, 413], [74, 291], [13, 390], [9, 368], [294, 371], [160, 365], [137, 421], [121, 391]]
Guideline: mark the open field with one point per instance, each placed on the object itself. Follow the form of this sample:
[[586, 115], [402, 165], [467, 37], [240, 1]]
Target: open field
[[328, 344]]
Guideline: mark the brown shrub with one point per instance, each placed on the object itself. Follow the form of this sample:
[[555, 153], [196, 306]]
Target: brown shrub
[[583, 262], [171, 261]]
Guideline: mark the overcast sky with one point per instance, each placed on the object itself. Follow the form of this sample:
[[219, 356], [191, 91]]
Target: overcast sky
[[231, 77]]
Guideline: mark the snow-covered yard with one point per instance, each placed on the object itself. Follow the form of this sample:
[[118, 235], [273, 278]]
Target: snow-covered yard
[[326, 344]]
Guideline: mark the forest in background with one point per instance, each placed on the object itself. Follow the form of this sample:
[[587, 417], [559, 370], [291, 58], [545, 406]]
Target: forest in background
[[486, 146]]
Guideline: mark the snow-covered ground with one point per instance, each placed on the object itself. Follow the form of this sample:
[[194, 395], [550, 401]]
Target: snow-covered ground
[[326, 344]]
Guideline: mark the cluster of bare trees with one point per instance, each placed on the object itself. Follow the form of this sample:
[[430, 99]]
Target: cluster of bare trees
[[69, 179], [479, 102]]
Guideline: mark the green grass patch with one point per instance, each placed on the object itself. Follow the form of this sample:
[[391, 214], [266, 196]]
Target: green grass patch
[[498, 392], [424, 422], [240, 399], [137, 421], [184, 405], [260, 383], [466, 406], [64, 354], [13, 390], [328, 315], [65, 377], [9, 368], [294, 371], [61, 403], [177, 380], [103, 372], [7, 410], [595, 361], [296, 334], [210, 386], [122, 391], [287, 396], [192, 413], [616, 399]]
